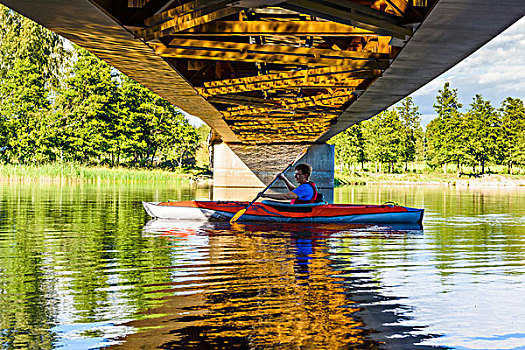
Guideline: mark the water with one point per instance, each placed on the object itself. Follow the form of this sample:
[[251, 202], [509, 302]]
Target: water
[[81, 266]]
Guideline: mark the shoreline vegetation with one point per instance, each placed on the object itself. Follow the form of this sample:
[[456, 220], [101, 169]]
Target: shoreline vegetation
[[430, 179], [76, 173]]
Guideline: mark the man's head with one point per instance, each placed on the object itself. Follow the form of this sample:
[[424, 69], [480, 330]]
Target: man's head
[[302, 173]]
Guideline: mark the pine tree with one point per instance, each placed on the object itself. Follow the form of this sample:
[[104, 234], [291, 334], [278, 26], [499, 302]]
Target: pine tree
[[409, 116], [443, 142]]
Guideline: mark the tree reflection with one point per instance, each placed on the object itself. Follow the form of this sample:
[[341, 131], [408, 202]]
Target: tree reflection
[[268, 288]]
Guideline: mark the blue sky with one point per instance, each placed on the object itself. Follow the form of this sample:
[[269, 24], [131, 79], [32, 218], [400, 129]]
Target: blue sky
[[496, 71]]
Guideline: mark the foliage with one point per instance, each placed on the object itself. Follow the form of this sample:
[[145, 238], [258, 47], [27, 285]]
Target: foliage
[[349, 147], [482, 127], [60, 105], [513, 137], [31, 59], [443, 138], [67, 106], [384, 140], [479, 137], [411, 130]]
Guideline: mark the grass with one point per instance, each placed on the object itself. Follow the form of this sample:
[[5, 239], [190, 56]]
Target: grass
[[71, 172], [419, 172]]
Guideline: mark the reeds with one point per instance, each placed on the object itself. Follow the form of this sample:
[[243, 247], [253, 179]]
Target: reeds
[[72, 172]]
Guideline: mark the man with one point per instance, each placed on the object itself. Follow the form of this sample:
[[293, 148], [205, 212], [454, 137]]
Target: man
[[306, 192]]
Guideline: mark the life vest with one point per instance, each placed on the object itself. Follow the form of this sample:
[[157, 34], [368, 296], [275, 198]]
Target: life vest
[[314, 197]]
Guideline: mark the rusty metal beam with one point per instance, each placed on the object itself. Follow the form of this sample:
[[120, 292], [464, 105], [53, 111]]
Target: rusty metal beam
[[250, 28], [348, 16], [272, 54], [330, 77], [183, 22]]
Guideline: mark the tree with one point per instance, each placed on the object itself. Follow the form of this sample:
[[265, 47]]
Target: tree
[[202, 155], [483, 128], [409, 117], [152, 127], [31, 58], [86, 111], [513, 126], [349, 147], [444, 144], [383, 134]]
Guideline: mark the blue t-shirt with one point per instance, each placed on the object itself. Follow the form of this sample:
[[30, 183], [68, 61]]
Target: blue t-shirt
[[304, 191]]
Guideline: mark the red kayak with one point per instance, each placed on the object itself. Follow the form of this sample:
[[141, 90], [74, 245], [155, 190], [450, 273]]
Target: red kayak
[[273, 211]]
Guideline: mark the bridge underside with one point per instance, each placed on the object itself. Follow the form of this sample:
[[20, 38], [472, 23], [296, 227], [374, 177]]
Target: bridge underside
[[278, 72], [272, 71]]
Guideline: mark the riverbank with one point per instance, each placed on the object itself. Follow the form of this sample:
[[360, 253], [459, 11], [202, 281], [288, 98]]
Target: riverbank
[[70, 173], [430, 179]]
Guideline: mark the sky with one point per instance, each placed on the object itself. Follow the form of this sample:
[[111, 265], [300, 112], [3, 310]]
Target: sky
[[496, 71]]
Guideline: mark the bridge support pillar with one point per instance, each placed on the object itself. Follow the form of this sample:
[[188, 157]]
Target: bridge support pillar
[[240, 172]]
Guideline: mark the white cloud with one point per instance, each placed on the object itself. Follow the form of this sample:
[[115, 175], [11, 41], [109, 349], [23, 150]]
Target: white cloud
[[496, 71]]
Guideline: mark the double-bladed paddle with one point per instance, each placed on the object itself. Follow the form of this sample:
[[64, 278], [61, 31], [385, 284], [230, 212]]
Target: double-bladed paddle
[[242, 211]]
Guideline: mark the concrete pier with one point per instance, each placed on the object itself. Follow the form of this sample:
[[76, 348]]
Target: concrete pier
[[240, 172]]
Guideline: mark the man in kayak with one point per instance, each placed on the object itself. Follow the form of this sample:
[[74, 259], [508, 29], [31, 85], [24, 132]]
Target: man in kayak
[[306, 192]]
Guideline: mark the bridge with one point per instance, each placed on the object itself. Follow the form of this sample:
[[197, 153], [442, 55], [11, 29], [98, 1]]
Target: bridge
[[271, 76]]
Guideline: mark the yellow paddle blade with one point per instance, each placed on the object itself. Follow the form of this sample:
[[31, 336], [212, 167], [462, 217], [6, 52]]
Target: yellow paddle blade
[[237, 216]]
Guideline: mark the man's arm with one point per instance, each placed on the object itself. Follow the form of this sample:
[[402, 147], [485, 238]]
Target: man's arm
[[283, 196], [287, 182]]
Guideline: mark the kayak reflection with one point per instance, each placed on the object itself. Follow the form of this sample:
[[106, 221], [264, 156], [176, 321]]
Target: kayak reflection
[[278, 286], [188, 228]]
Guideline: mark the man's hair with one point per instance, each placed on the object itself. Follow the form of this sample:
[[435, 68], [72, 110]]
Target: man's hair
[[306, 169]]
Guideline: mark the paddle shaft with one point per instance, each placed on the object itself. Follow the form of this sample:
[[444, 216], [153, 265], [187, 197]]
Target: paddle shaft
[[270, 185], [242, 211]]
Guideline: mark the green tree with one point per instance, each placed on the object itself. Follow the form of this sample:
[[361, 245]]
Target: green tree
[[86, 111], [443, 135], [202, 155], [409, 117], [31, 58], [154, 128], [384, 139], [513, 126], [349, 147], [483, 127]]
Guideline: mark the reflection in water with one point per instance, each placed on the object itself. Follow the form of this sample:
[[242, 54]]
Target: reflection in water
[[79, 270], [259, 286]]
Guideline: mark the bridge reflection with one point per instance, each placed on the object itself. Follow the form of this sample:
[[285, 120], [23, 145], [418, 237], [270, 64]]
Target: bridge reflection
[[270, 286]]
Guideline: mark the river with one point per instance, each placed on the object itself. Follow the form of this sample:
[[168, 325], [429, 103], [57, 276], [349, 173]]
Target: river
[[83, 267]]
